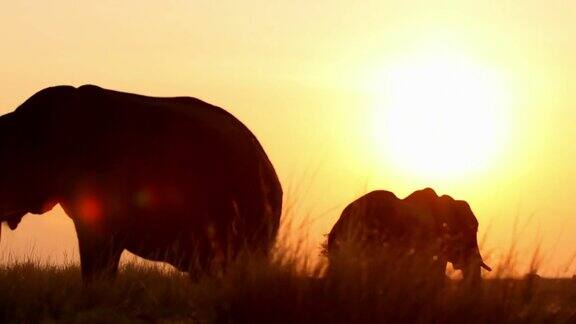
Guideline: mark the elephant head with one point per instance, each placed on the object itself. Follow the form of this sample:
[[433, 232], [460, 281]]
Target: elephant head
[[27, 159], [457, 227], [460, 227]]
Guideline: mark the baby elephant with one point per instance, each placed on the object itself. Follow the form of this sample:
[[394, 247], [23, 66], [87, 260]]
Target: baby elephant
[[423, 226]]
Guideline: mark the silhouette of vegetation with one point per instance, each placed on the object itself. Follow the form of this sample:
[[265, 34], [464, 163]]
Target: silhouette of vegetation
[[285, 289]]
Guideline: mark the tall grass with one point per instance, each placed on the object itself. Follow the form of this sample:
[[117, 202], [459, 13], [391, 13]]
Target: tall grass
[[289, 288]]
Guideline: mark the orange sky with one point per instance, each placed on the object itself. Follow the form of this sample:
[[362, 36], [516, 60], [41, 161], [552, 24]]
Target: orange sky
[[307, 78]]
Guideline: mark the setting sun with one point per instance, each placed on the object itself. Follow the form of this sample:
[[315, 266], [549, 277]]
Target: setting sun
[[288, 161], [440, 116]]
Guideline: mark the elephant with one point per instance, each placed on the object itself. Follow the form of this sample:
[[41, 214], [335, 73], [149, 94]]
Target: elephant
[[170, 179], [436, 229]]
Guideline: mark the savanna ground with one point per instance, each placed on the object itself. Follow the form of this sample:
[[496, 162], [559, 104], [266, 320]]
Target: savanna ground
[[288, 289]]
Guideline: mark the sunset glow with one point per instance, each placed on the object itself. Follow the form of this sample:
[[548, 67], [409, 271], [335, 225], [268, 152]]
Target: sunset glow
[[440, 116]]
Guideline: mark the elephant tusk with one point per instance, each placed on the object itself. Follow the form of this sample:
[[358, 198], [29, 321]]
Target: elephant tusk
[[486, 267]]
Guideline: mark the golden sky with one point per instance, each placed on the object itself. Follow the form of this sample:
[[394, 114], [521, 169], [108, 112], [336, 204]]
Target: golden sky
[[316, 83]]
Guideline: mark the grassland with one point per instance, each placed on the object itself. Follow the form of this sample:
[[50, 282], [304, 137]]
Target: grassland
[[256, 291]]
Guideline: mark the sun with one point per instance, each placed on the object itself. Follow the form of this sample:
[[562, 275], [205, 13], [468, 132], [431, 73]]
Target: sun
[[440, 116]]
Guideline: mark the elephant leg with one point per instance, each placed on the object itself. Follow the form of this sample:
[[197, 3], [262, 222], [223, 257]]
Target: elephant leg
[[209, 252], [99, 255]]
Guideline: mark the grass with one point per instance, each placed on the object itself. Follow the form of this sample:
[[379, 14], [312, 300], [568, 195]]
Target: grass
[[277, 291], [292, 287]]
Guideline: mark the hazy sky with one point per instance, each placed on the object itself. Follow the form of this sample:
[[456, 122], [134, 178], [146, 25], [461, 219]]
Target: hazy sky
[[309, 77]]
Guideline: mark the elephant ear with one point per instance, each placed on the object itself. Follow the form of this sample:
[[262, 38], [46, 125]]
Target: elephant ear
[[457, 215], [13, 223], [32, 149], [444, 214], [465, 217], [14, 219]]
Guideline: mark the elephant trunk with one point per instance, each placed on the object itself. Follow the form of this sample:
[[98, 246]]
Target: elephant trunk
[[12, 220], [471, 272], [472, 269]]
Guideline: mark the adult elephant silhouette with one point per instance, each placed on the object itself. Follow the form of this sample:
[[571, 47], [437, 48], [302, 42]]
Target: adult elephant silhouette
[[435, 229], [168, 179]]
